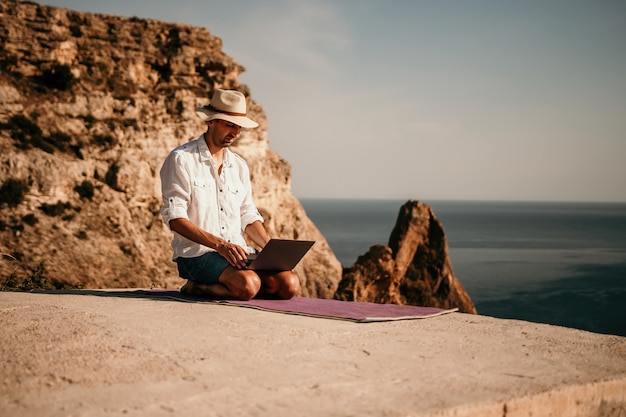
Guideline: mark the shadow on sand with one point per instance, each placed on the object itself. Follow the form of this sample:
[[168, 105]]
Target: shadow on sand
[[150, 294]]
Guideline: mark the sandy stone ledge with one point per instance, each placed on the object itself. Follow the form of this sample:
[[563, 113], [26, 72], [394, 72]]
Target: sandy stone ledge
[[91, 353]]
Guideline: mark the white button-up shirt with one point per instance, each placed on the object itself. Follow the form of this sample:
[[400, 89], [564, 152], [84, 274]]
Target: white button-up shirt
[[193, 189]]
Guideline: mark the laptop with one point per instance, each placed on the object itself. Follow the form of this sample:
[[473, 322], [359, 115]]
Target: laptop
[[279, 255]]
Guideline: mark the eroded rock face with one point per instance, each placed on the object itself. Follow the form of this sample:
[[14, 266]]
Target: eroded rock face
[[90, 106], [414, 268], [95, 103]]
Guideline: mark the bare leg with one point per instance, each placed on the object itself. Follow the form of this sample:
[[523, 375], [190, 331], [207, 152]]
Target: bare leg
[[282, 285], [234, 283]]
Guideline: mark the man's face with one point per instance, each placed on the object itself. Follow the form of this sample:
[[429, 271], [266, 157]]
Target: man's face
[[222, 133]]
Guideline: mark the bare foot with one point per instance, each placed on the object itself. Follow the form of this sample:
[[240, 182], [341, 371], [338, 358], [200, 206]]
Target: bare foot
[[215, 291], [186, 289], [195, 288]]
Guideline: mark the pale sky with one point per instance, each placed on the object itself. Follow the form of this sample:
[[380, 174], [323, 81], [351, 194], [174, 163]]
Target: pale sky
[[428, 100]]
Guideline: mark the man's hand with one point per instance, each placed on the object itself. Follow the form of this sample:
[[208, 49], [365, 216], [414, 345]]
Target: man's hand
[[234, 254]]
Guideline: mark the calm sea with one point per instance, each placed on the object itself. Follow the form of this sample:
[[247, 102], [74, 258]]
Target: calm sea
[[556, 263]]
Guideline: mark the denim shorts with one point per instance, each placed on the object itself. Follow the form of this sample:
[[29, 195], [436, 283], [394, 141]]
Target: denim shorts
[[205, 268]]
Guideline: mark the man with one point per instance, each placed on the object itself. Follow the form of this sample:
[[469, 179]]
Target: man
[[207, 202]]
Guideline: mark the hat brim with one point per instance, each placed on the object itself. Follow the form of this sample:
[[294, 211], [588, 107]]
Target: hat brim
[[242, 121]]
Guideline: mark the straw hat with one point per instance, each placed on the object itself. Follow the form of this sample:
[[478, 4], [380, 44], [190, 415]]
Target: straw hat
[[229, 105]]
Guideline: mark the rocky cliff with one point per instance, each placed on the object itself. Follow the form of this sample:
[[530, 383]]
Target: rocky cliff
[[90, 105], [414, 268]]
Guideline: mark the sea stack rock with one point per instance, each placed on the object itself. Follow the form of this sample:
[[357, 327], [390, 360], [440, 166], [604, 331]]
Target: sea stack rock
[[414, 268]]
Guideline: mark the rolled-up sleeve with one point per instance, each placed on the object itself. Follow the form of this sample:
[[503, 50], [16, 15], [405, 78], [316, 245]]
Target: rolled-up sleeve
[[175, 189], [249, 216]]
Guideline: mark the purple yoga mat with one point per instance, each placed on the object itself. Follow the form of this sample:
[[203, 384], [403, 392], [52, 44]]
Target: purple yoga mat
[[356, 311]]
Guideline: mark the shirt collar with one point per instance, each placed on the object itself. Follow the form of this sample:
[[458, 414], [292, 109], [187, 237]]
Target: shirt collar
[[205, 154]]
